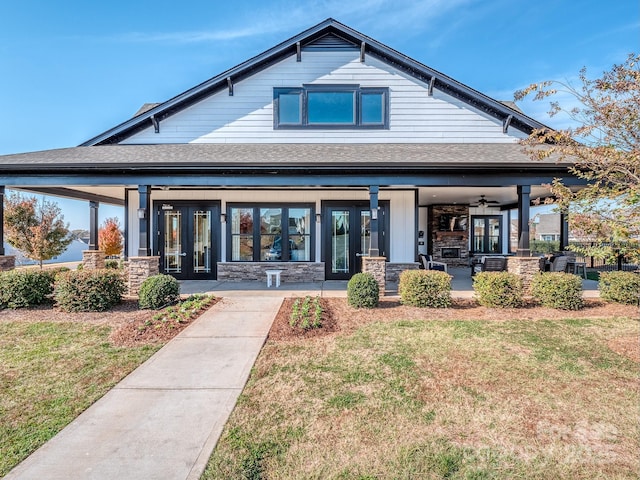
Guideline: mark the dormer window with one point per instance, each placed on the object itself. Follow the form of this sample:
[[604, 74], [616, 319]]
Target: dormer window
[[331, 106]]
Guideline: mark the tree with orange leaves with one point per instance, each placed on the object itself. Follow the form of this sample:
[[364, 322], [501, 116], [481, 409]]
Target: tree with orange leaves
[[110, 237], [36, 229]]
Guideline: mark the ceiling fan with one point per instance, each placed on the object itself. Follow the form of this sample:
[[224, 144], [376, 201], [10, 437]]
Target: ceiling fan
[[483, 202]]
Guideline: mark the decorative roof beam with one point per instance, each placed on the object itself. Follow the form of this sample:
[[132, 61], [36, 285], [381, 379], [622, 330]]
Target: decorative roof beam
[[432, 82], [156, 124], [362, 50], [230, 85], [506, 123], [298, 52]]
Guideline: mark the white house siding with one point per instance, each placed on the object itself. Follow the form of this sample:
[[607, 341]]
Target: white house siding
[[402, 212], [247, 116]]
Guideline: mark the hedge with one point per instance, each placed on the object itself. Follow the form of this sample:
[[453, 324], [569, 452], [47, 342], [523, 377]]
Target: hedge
[[425, 288], [89, 290]]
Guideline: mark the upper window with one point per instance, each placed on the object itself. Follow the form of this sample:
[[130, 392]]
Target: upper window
[[331, 106]]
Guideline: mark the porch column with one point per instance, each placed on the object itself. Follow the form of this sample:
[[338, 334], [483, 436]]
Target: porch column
[[93, 225], [7, 262], [564, 232], [524, 201], [144, 217], [374, 249], [1, 219]]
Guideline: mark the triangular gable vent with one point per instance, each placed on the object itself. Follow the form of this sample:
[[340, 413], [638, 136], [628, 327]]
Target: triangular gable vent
[[330, 41]]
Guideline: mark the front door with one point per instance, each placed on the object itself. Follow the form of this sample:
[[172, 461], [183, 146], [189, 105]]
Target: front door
[[486, 234], [347, 237], [187, 235]]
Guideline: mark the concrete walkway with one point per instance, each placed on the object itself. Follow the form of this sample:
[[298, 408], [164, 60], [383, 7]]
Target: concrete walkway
[[164, 419]]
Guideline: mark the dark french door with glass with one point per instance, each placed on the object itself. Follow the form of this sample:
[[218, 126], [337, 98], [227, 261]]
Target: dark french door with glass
[[347, 237], [187, 239], [486, 234]]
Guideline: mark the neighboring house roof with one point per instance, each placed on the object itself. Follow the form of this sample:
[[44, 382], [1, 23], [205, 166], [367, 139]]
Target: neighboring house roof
[[548, 224], [440, 156], [329, 34]]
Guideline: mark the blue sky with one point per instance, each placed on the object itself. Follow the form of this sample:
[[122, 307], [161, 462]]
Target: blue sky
[[70, 70]]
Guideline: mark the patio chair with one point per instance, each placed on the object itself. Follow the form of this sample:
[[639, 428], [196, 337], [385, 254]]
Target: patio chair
[[559, 264], [429, 264], [494, 264]]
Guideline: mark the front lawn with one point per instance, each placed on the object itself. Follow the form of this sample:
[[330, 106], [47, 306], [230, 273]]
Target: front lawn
[[49, 373], [514, 396]]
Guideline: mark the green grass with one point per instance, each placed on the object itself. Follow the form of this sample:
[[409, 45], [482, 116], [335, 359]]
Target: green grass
[[440, 399], [50, 373]]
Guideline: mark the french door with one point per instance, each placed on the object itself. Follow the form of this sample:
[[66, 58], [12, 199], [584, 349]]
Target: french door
[[347, 237], [486, 234], [187, 239]]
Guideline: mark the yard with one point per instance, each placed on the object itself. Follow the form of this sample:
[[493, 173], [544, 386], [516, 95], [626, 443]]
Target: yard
[[465, 392]]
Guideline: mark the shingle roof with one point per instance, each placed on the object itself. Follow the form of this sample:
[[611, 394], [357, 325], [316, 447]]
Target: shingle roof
[[230, 156]]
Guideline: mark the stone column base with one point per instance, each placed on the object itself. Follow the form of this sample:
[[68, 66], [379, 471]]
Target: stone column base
[[7, 262], [526, 268], [93, 259], [138, 270], [376, 266]]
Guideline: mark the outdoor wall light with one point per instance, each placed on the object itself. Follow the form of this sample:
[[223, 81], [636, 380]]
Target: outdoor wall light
[[318, 218], [142, 213], [223, 218], [374, 214]]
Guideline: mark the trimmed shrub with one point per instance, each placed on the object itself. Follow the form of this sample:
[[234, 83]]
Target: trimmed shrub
[[498, 289], [113, 264], [158, 291], [25, 288], [89, 290], [558, 290], [425, 288], [620, 287], [363, 291]]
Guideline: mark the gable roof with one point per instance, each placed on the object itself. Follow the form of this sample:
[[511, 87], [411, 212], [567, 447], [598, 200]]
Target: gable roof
[[329, 34]]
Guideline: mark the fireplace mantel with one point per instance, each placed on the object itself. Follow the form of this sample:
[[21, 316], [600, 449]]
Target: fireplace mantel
[[452, 234]]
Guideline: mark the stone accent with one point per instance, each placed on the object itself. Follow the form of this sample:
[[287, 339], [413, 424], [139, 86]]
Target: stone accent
[[395, 269], [293, 272], [93, 259], [449, 238], [526, 268], [376, 266], [7, 262], [138, 270]]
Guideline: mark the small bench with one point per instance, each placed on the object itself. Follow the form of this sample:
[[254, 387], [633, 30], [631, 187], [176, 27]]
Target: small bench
[[270, 275]]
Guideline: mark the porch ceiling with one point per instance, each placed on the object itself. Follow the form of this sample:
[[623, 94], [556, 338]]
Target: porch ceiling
[[470, 195]]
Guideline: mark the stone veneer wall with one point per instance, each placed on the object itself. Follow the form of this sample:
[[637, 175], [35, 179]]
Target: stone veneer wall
[[7, 262], [93, 259], [376, 266], [395, 269], [449, 239], [138, 270], [251, 271], [526, 268]]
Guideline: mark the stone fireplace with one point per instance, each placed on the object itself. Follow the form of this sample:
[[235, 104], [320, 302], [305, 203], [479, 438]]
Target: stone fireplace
[[449, 234]]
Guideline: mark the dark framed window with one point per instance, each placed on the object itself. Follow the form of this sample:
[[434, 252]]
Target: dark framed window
[[270, 233], [486, 234], [331, 106]]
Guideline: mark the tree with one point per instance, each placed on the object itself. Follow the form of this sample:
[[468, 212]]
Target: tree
[[36, 229], [110, 237], [604, 150]]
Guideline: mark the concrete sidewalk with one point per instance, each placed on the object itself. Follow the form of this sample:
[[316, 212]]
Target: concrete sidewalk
[[164, 419]]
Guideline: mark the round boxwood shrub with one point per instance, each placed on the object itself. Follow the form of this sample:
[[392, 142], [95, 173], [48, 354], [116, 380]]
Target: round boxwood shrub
[[114, 264], [88, 290], [158, 291], [558, 290], [498, 289], [620, 287], [363, 291], [25, 288], [425, 288]]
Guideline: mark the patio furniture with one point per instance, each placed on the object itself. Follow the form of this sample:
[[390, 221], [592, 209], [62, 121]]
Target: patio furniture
[[494, 264], [429, 264], [270, 275], [559, 264]]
